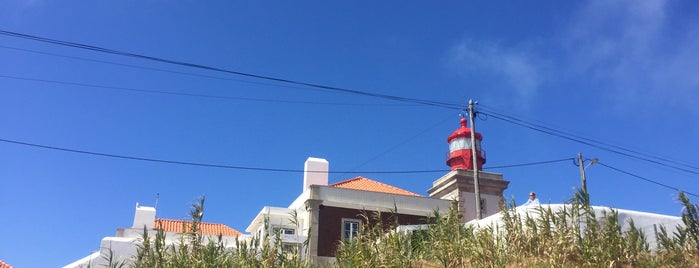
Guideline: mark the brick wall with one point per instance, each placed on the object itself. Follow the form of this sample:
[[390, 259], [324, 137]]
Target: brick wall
[[330, 225]]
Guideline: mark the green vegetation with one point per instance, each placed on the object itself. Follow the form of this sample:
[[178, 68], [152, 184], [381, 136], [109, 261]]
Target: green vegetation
[[191, 251], [573, 236]]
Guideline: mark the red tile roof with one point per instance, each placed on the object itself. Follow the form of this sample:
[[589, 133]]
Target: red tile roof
[[4, 264], [176, 226], [361, 183]]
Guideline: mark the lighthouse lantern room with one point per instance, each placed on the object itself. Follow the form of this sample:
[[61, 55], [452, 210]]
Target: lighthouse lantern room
[[460, 156], [460, 185]]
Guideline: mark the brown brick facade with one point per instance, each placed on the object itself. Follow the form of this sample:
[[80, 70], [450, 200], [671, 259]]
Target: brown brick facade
[[330, 225]]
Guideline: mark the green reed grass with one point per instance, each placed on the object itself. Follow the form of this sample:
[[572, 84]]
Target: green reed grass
[[573, 236]]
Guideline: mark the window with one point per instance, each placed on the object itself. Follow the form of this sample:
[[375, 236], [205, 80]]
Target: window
[[284, 231], [459, 144], [463, 143], [350, 228]]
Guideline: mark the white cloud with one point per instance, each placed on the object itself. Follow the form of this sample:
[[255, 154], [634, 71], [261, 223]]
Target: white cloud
[[13, 10], [632, 53], [633, 50], [515, 68]]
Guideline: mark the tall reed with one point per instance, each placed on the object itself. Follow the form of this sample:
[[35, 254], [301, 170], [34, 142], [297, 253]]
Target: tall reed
[[574, 235]]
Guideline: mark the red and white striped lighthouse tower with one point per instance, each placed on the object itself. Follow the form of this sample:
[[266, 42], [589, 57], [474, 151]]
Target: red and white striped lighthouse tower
[[460, 156], [460, 184]]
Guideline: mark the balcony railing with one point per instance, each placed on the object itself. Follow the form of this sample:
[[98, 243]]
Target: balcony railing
[[481, 151]]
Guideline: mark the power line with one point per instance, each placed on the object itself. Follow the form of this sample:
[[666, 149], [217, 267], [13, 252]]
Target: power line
[[163, 161], [153, 91], [401, 143], [217, 69], [646, 179], [532, 164], [599, 142], [582, 140], [157, 69], [197, 164], [536, 127]]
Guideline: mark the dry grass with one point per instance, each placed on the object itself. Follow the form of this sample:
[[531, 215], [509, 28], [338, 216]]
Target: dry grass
[[571, 237]]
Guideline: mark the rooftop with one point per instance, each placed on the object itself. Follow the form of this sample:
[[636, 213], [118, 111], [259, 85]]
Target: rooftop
[[364, 184], [205, 228], [4, 265]]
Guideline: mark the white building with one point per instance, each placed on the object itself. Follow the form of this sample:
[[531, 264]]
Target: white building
[[325, 214], [332, 211], [123, 246], [644, 221]]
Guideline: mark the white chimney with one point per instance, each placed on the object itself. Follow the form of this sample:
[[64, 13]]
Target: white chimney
[[145, 216], [315, 172]]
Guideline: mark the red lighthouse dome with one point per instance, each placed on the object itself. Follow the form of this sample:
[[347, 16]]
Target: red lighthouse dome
[[460, 156]]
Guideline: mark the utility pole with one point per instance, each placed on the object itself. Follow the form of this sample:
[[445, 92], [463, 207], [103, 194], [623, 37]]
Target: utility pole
[[583, 180], [471, 116]]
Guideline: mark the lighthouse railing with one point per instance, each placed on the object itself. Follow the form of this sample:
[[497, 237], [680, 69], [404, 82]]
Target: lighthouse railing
[[481, 153]]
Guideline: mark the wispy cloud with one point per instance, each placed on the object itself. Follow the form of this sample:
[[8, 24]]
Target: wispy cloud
[[513, 67], [13, 10], [634, 51], [631, 52]]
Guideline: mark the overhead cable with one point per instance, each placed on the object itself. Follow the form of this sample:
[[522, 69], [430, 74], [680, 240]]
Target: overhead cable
[[597, 141], [217, 69], [531, 164], [163, 161], [164, 92], [536, 127], [585, 141], [645, 179], [158, 69]]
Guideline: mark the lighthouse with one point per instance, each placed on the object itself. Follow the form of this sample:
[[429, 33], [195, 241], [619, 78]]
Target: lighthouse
[[460, 153], [458, 184]]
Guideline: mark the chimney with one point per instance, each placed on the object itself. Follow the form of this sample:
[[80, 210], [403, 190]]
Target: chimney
[[145, 216], [315, 172]]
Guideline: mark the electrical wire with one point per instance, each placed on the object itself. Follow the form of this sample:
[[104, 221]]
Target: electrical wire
[[531, 164], [645, 179], [536, 127], [157, 69], [163, 161], [201, 164], [217, 69], [607, 144], [597, 141], [152, 91], [581, 140], [419, 133]]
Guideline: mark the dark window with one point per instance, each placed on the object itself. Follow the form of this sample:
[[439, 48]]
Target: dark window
[[350, 228]]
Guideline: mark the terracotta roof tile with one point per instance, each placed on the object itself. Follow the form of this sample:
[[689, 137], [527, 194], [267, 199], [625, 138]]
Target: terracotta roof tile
[[4, 265], [361, 183], [206, 228]]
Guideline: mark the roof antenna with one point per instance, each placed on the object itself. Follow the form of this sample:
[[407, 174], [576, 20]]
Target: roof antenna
[[157, 198]]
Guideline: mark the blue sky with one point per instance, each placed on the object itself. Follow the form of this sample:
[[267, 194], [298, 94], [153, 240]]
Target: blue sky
[[619, 72]]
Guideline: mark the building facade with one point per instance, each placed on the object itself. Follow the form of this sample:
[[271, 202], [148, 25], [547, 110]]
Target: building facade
[[124, 245], [325, 214]]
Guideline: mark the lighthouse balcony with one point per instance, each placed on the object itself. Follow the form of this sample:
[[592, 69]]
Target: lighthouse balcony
[[481, 154]]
